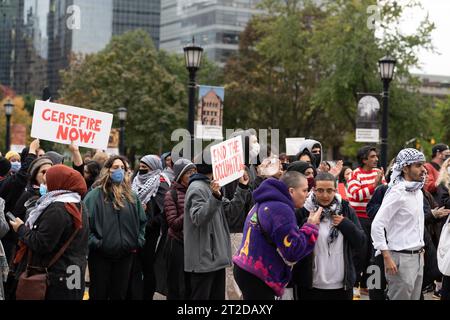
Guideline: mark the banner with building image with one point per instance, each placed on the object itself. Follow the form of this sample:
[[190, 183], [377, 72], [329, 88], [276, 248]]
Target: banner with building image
[[209, 115], [367, 118]]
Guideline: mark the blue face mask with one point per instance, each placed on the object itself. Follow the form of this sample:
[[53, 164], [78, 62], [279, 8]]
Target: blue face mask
[[43, 189], [15, 166], [118, 175]]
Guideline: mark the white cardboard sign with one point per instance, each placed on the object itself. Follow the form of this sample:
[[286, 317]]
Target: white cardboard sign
[[64, 124], [228, 161], [293, 145]]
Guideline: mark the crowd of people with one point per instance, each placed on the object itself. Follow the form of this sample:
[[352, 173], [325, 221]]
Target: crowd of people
[[309, 226]]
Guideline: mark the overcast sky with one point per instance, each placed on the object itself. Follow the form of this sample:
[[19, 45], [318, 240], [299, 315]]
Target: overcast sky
[[439, 11]]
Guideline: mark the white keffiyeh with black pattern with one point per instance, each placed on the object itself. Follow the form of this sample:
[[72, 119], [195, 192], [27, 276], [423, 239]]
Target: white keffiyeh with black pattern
[[405, 158]]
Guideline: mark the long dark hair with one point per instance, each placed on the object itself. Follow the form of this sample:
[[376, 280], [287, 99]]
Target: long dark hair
[[342, 174], [93, 168], [117, 192]]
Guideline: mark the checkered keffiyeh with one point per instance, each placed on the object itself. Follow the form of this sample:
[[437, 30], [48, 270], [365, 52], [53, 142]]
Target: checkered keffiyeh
[[405, 158]]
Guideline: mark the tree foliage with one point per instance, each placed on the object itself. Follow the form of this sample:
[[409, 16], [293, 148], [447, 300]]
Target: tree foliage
[[20, 116], [302, 64], [127, 73]]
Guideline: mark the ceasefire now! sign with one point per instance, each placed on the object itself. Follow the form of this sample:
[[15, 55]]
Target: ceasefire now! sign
[[64, 124]]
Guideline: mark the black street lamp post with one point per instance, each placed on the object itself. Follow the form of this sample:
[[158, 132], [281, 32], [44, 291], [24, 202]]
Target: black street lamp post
[[193, 58], [386, 67], [9, 107], [122, 118]]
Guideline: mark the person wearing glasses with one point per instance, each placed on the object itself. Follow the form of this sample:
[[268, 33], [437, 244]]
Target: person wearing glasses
[[328, 273]]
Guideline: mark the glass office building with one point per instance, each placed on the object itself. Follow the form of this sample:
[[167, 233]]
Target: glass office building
[[215, 25], [39, 37], [8, 23], [100, 20]]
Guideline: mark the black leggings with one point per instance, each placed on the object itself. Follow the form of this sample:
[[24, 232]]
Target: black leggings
[[252, 287]]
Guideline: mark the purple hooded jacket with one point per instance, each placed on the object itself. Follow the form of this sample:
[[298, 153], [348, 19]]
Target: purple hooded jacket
[[275, 211]]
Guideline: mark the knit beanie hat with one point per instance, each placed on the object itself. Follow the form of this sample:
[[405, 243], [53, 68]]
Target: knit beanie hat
[[55, 157], [182, 166], [36, 165]]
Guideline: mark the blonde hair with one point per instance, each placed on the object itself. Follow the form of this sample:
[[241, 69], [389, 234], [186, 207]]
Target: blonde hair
[[444, 176], [119, 193]]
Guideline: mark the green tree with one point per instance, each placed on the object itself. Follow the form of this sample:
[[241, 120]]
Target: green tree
[[128, 73], [301, 65], [443, 107]]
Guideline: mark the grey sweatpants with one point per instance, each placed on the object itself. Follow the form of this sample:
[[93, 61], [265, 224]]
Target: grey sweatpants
[[407, 283]]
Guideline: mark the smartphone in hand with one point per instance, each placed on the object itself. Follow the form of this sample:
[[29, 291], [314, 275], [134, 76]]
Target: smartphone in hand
[[10, 216]]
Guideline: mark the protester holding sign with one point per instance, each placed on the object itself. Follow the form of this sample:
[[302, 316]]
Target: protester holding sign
[[251, 150], [207, 222]]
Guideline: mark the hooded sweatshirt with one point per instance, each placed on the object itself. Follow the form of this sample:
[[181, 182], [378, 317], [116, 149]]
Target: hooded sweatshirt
[[308, 145], [273, 219]]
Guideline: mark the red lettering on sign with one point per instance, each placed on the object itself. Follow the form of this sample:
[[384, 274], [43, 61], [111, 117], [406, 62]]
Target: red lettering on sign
[[45, 116]]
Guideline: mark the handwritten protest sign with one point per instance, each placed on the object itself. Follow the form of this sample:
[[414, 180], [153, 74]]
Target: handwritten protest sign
[[228, 161], [63, 124]]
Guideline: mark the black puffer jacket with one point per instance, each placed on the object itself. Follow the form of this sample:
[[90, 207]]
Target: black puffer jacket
[[49, 233], [12, 187], [354, 240]]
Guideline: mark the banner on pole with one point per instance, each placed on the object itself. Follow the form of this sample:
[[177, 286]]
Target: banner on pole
[[208, 125], [367, 124]]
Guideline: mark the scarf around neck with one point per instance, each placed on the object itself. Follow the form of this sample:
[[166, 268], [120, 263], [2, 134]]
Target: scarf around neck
[[46, 200], [69, 198], [335, 208], [405, 158], [146, 185]]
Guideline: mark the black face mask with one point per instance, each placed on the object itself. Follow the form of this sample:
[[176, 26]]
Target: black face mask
[[285, 166], [142, 172]]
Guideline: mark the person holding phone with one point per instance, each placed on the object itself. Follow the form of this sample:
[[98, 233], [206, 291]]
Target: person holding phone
[[208, 218], [329, 273]]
